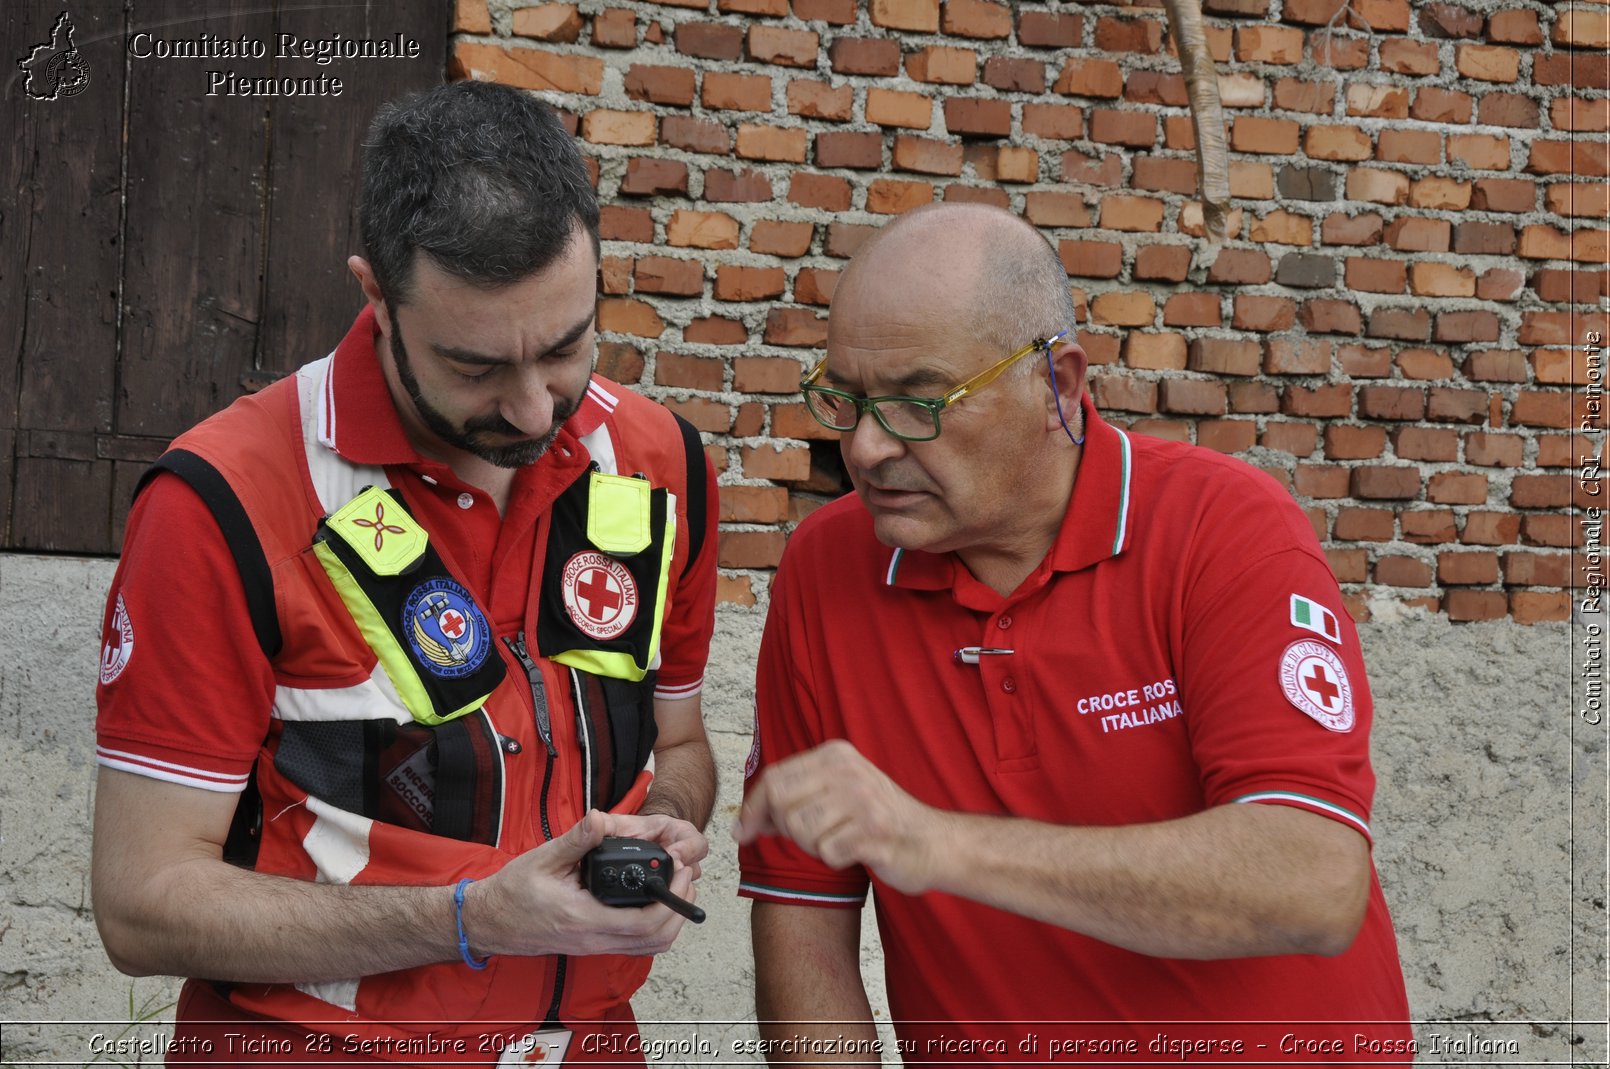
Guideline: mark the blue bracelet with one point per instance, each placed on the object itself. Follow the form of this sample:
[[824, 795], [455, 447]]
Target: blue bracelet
[[458, 915]]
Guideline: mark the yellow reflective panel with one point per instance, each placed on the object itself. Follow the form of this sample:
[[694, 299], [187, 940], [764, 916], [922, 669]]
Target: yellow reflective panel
[[380, 531], [618, 513]]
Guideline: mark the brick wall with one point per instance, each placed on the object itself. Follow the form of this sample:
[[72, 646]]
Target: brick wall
[[1395, 328]]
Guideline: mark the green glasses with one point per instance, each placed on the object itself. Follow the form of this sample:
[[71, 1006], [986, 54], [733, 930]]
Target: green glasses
[[911, 419]]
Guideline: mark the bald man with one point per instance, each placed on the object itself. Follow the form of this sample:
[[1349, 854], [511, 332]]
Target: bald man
[[1084, 706]]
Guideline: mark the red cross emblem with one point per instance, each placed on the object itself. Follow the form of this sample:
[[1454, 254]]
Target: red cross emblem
[[1318, 684], [381, 527], [452, 624], [599, 594]]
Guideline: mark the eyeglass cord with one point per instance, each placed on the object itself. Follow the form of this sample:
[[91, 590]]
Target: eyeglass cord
[[1051, 365]]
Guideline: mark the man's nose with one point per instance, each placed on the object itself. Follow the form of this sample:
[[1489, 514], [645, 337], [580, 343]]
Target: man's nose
[[869, 443], [529, 404]]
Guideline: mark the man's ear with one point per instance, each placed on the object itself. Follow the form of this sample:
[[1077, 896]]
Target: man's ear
[[370, 285], [1070, 363]]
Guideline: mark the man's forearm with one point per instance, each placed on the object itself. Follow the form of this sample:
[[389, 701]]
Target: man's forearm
[[809, 997], [684, 782], [1233, 881]]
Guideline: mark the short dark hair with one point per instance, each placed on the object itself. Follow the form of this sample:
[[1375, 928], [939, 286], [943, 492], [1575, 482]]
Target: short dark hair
[[482, 177]]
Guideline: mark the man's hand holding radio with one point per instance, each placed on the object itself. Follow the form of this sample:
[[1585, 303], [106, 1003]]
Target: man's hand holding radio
[[536, 904]]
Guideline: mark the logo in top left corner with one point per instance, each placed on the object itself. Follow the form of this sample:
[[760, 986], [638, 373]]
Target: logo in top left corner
[[55, 69], [119, 646]]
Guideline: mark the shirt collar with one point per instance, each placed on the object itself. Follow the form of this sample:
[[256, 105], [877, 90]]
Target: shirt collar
[[360, 422], [1094, 528]]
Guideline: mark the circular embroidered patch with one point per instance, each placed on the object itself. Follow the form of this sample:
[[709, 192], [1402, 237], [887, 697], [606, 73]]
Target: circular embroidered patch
[[600, 595], [1315, 681], [445, 629], [119, 646]]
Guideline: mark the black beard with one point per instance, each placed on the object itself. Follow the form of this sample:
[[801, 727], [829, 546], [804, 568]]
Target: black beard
[[469, 438]]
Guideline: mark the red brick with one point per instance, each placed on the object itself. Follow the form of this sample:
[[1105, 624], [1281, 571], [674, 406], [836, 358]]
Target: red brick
[[783, 47], [769, 8], [1250, 133], [618, 223], [1378, 186], [703, 230], [1269, 44], [1541, 491], [1324, 316], [714, 330], [1580, 158], [1294, 94], [695, 135], [976, 18], [1425, 526], [1409, 146], [1362, 229], [1500, 284], [858, 151], [1240, 267], [877, 56], [649, 177], [764, 374], [1403, 324], [1481, 151], [1191, 397], [1014, 75], [1339, 52], [1224, 356], [778, 463], [1058, 122], [1440, 194], [1563, 68], [1504, 195], [1468, 569], [1538, 606], [472, 16], [1509, 109], [1442, 106], [1321, 482], [667, 275], [887, 196], [1371, 275], [746, 186], [1154, 352], [1227, 435], [736, 92], [738, 283], [709, 40], [1457, 488], [660, 85], [1143, 35], [1136, 129], [834, 12], [1391, 402], [1495, 450], [1425, 364], [1159, 263], [1365, 361], [943, 66], [1466, 327], [1092, 259], [1120, 393], [1377, 101], [814, 285], [1320, 402], [1296, 356], [750, 549], [704, 413], [1264, 314], [1364, 525], [1046, 29], [1399, 55], [1430, 278], [1488, 63], [844, 238], [1423, 443], [927, 156], [1471, 605], [620, 362], [892, 107], [978, 118], [1160, 87], [1189, 309], [689, 372], [1343, 442], [1298, 439], [1099, 348], [615, 275], [754, 504], [1081, 169], [1536, 569], [1491, 529], [828, 192], [1141, 214], [1254, 398], [795, 327], [776, 238], [621, 315], [1384, 483], [1123, 310], [1483, 239], [921, 16], [528, 68], [772, 143], [1402, 572], [1337, 143], [1409, 233], [1569, 286], [614, 27], [1582, 27]]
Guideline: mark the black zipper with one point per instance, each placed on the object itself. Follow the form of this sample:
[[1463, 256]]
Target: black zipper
[[539, 703]]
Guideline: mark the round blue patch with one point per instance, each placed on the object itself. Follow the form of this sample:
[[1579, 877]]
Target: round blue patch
[[445, 629]]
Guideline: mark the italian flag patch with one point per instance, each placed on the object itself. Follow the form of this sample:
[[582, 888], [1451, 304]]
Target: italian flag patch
[[1312, 616]]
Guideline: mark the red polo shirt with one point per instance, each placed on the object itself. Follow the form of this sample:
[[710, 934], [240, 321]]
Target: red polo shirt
[[1183, 645]]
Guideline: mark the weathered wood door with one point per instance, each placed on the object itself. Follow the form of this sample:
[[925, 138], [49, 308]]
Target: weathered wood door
[[165, 238]]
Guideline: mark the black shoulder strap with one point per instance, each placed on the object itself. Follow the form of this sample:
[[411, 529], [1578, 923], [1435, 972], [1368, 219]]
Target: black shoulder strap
[[238, 532], [696, 489]]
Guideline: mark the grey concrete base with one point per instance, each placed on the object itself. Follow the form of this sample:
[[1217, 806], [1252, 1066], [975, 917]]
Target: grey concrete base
[[1489, 822]]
